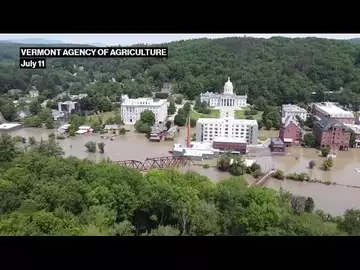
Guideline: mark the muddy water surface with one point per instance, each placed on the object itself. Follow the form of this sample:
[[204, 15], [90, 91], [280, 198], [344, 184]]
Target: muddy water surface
[[333, 199], [130, 146]]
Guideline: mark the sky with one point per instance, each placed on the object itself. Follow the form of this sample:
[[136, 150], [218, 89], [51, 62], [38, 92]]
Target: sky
[[130, 39]]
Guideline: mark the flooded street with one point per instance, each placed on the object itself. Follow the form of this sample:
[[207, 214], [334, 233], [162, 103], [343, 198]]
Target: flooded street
[[333, 199]]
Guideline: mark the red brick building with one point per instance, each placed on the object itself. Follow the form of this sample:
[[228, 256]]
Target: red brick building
[[290, 131], [328, 110], [332, 134]]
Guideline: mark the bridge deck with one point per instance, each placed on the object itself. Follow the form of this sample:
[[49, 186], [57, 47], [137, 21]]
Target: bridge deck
[[156, 163]]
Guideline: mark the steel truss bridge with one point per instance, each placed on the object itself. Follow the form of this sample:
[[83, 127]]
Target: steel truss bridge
[[156, 163]]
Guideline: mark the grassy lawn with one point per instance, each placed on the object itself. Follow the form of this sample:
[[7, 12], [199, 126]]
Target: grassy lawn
[[196, 115], [262, 138], [240, 114], [104, 116]]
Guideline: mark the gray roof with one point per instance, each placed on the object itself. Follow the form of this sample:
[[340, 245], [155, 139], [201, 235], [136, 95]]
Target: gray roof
[[277, 141], [327, 124]]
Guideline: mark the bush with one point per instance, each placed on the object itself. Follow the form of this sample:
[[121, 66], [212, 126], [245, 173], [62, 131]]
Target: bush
[[312, 164], [327, 164], [247, 113], [325, 151], [101, 146], [91, 146], [298, 177], [257, 173], [253, 112], [279, 175], [206, 166], [180, 120]]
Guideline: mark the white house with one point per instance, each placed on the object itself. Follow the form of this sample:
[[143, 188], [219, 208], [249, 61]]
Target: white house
[[293, 110], [132, 108]]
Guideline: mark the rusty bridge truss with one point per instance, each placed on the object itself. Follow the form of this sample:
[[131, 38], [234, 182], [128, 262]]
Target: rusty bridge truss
[[156, 163]]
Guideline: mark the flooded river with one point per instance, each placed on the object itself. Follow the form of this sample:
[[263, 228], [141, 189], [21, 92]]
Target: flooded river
[[333, 199]]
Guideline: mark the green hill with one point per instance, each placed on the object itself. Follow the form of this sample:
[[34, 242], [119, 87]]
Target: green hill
[[274, 71]]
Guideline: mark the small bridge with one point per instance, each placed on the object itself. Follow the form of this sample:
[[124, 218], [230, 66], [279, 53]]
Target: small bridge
[[262, 181], [156, 163]]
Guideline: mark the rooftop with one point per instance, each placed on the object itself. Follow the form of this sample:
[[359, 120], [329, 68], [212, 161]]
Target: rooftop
[[227, 120], [289, 119], [9, 125], [229, 140], [354, 128], [332, 110], [144, 102], [328, 124], [277, 141], [293, 108]]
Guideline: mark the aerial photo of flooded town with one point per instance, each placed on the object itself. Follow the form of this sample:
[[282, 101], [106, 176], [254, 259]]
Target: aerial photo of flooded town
[[221, 129]]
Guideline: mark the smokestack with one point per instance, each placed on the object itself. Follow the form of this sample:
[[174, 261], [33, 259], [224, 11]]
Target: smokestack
[[188, 132]]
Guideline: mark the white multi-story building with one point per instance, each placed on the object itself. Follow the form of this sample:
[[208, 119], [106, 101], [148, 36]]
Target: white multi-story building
[[293, 110], [132, 108], [209, 128], [225, 99]]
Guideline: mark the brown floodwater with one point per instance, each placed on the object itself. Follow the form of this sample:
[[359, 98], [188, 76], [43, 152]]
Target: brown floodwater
[[333, 199]]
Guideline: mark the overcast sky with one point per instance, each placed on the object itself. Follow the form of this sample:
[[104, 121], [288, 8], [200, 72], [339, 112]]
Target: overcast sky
[[130, 39]]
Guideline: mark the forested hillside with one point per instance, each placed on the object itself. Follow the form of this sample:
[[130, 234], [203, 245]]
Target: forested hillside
[[43, 193], [277, 70]]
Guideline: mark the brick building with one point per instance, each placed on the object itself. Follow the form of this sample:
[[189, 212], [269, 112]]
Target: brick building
[[331, 133], [328, 110], [290, 131]]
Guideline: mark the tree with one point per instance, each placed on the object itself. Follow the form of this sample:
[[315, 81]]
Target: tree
[[49, 123], [309, 205], [8, 149], [147, 117], [171, 108], [35, 107], [101, 147], [268, 124], [91, 146], [279, 175], [351, 222], [180, 120], [325, 151], [309, 121], [312, 164], [178, 100], [44, 193], [187, 108], [309, 140], [298, 204], [327, 164], [352, 139]]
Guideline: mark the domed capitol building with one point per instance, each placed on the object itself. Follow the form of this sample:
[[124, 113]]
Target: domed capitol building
[[225, 99]]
